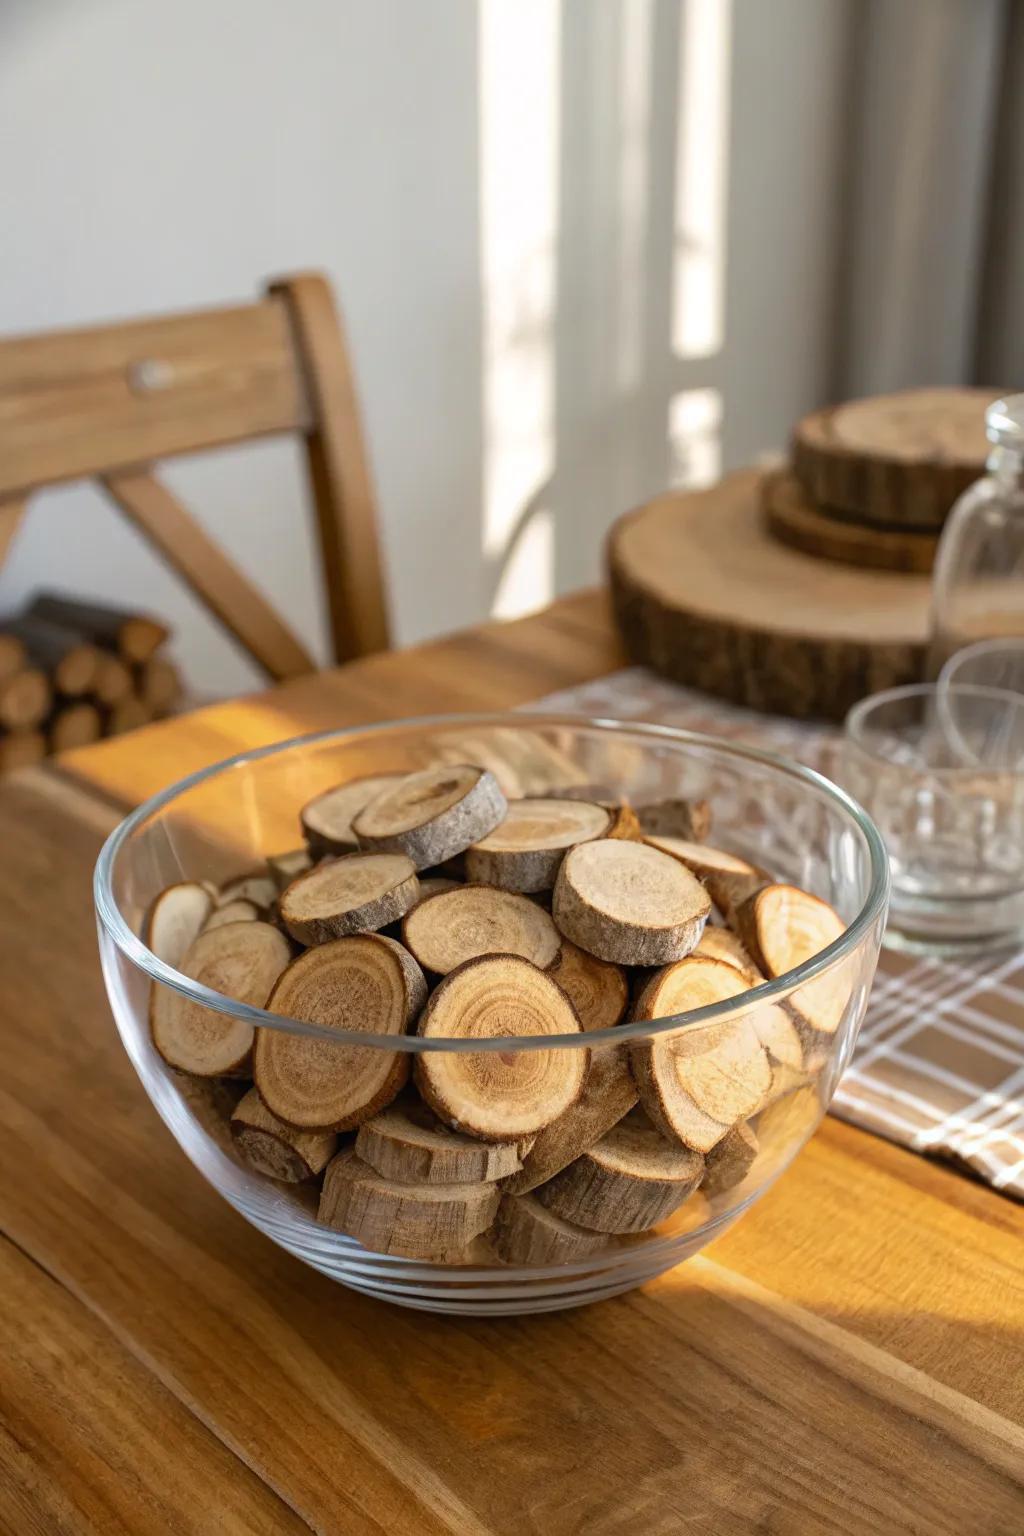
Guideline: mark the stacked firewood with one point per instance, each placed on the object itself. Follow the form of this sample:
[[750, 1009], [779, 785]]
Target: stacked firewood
[[72, 672]]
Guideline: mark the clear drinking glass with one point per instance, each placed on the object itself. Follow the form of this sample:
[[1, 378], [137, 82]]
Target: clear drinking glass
[[987, 664], [941, 771], [776, 814]]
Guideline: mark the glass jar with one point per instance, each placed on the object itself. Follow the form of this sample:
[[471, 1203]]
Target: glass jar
[[978, 584]]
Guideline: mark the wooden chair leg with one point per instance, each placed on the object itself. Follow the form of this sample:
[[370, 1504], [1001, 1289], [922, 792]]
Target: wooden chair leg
[[11, 514], [339, 472], [215, 580]]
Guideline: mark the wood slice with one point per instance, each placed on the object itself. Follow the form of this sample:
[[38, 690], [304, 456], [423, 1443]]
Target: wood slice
[[773, 1025], [703, 595], [176, 919], [326, 820], [366, 983], [24, 699], [792, 518], [695, 1084], [241, 960], [286, 867], [901, 458], [524, 853], [113, 683], [729, 1163], [598, 990], [21, 749], [76, 725], [433, 815], [609, 1093], [688, 819], [275, 1149], [256, 885], [526, 1232], [784, 927], [629, 903], [355, 893], [500, 1096], [722, 944], [628, 1182], [237, 911], [132, 635], [728, 879], [414, 1221], [471, 920], [408, 1143]]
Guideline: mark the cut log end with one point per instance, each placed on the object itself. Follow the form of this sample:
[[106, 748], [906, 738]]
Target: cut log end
[[356, 893], [432, 1222], [526, 1232], [784, 927], [326, 820], [275, 1149], [432, 815], [176, 919], [628, 903], [525, 851], [408, 1143], [461, 924], [627, 1182]]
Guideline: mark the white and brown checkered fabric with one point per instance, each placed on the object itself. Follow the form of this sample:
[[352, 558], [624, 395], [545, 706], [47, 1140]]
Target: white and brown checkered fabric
[[939, 1066]]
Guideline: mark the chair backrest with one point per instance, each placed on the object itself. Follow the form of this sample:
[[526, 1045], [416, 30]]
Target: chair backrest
[[108, 402]]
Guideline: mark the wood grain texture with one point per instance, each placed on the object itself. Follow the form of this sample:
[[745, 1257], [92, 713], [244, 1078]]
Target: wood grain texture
[[848, 1359], [704, 595], [792, 518]]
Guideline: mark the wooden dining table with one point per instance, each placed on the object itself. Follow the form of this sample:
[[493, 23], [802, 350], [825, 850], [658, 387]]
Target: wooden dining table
[[848, 1358]]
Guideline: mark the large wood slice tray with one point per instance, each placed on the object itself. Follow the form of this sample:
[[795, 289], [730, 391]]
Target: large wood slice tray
[[705, 596]]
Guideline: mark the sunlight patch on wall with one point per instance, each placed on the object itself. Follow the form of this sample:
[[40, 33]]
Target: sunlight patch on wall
[[519, 74], [701, 163], [695, 438]]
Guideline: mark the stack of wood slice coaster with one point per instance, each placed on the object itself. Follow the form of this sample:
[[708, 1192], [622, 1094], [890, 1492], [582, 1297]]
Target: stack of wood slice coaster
[[799, 591]]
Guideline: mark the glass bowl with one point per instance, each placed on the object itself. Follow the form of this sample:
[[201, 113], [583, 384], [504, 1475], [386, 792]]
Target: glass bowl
[[778, 815]]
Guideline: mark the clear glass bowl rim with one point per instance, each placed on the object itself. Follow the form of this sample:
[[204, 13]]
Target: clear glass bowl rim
[[853, 726], [138, 955]]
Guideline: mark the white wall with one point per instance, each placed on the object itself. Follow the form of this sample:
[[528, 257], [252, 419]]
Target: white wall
[[492, 187]]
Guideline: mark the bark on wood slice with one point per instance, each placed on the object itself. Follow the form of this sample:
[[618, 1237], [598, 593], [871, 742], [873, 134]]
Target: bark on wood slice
[[176, 919], [526, 1232], [696, 1083], [792, 518], [901, 458], [500, 1096], [627, 1182], [355, 893], [414, 1221], [629, 903], [729, 1163], [256, 885], [24, 699], [21, 749], [773, 1025], [609, 1093], [408, 1143], [433, 815], [113, 682], [159, 684], [132, 635], [365, 983], [703, 595], [71, 662], [524, 853], [471, 920], [598, 990], [728, 879], [129, 715], [238, 911], [277, 1150], [784, 927], [327, 819], [76, 725], [241, 960], [286, 867], [688, 819]]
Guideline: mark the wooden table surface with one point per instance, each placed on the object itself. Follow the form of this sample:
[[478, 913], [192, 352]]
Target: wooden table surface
[[849, 1358]]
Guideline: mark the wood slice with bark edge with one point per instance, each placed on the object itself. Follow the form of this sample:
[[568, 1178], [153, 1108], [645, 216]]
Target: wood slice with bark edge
[[241, 960], [597, 989], [134, 636], [500, 1096], [238, 911], [729, 1163], [773, 1025], [783, 927], [175, 920], [275, 1149], [526, 1232], [609, 1093], [792, 518], [432, 815], [256, 885], [728, 879], [433, 1222], [688, 819], [722, 944], [454, 926], [408, 1143], [24, 699], [627, 1182], [286, 867], [355, 893], [525, 851], [75, 725], [696, 1082], [900, 459], [629, 903], [326, 820], [366, 982], [703, 595]]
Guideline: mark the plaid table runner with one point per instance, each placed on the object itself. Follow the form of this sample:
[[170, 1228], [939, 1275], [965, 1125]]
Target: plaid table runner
[[939, 1065]]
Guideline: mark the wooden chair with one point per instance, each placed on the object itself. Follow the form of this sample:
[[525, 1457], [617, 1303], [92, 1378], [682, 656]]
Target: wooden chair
[[105, 403]]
